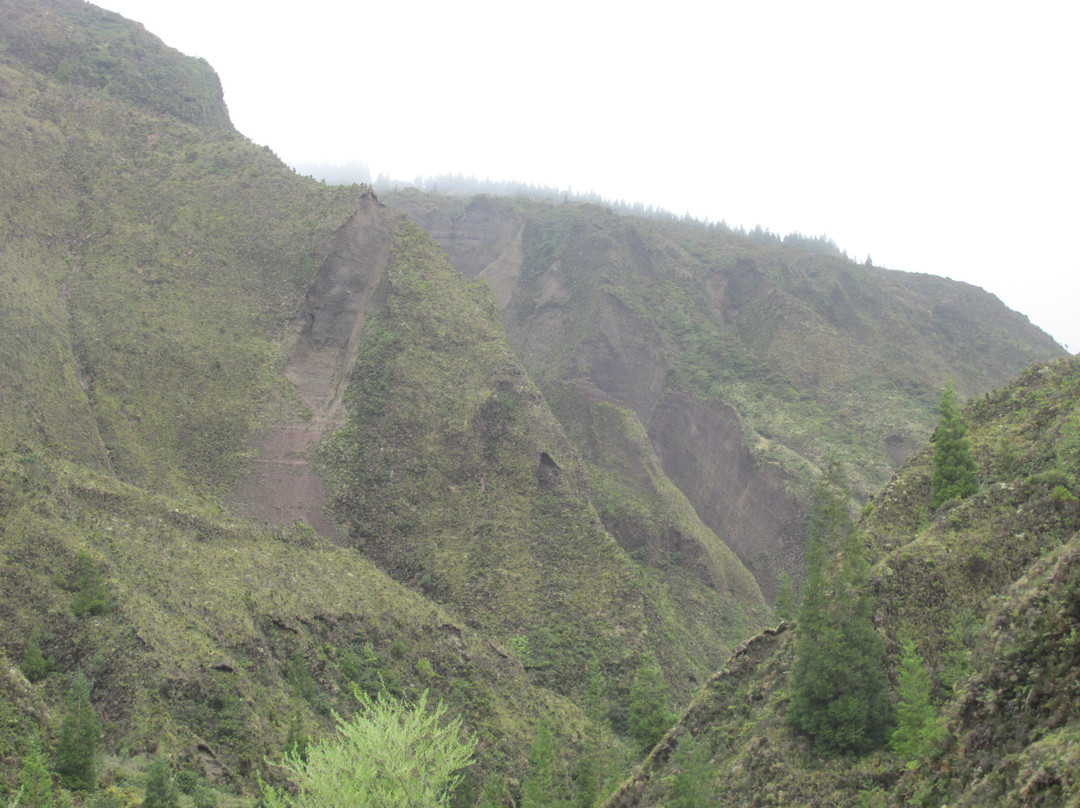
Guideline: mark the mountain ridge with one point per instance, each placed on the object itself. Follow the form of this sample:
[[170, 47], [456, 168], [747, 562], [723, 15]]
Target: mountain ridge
[[541, 466], [783, 356]]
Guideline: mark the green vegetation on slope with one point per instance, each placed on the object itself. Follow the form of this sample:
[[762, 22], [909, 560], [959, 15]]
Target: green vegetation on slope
[[982, 592], [454, 476], [222, 635], [778, 356], [150, 258]]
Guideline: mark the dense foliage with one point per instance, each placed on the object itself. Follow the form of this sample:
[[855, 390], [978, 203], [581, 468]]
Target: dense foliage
[[977, 604]]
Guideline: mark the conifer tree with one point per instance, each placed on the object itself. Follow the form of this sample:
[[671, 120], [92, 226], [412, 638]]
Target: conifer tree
[[592, 765], [161, 791], [36, 787], [649, 714], [954, 473], [917, 726], [692, 786], [77, 748], [543, 784], [838, 688]]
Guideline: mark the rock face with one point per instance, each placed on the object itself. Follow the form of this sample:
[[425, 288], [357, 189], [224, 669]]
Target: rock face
[[702, 449], [282, 484], [748, 363]]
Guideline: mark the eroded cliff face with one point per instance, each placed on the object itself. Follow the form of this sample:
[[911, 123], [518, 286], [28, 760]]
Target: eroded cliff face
[[568, 328], [748, 364], [702, 448], [282, 484]]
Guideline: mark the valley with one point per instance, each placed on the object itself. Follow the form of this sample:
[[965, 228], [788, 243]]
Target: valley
[[272, 450]]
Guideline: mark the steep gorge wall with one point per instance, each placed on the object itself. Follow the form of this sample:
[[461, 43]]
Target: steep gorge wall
[[749, 364], [622, 358]]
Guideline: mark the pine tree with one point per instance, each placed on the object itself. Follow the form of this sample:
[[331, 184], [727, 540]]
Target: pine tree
[[838, 688], [77, 748], [954, 472], [161, 791], [36, 787], [692, 786], [543, 784], [649, 714], [592, 765], [917, 726]]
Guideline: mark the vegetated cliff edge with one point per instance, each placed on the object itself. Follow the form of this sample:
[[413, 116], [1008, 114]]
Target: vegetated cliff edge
[[748, 363], [987, 589]]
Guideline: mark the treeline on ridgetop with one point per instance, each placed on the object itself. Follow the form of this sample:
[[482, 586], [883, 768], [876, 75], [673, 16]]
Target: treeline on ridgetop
[[354, 172]]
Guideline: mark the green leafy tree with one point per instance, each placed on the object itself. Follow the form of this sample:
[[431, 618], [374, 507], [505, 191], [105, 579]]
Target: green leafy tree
[[917, 727], [161, 791], [650, 717], [76, 751], [389, 755], [838, 690], [954, 473], [36, 786]]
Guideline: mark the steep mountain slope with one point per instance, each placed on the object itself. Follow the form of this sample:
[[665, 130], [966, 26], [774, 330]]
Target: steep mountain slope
[[151, 255], [452, 473], [988, 590], [190, 333], [748, 362]]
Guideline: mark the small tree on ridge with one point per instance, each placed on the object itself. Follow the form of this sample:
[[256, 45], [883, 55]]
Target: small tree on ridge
[[953, 475]]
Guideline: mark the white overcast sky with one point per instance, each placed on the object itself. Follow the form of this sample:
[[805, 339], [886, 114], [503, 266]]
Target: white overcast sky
[[938, 137]]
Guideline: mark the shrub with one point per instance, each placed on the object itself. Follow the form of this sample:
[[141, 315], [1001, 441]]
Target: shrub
[[390, 755]]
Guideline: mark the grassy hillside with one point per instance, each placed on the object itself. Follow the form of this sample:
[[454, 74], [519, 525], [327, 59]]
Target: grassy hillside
[[190, 332], [987, 590], [773, 357], [212, 639], [168, 285], [147, 251]]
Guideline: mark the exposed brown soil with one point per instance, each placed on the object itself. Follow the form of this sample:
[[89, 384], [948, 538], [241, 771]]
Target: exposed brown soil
[[282, 485], [701, 447]]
